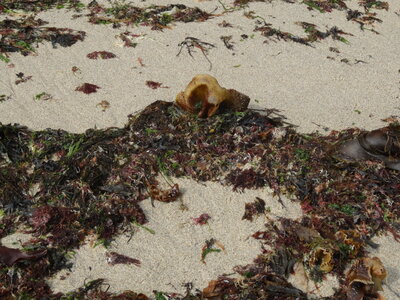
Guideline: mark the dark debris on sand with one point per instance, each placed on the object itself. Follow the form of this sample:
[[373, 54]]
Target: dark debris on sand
[[65, 186], [25, 34]]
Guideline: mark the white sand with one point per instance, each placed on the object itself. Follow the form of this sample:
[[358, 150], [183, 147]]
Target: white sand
[[313, 91]]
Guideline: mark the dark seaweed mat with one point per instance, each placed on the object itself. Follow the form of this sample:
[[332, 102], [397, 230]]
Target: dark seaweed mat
[[25, 34], [94, 183], [39, 5]]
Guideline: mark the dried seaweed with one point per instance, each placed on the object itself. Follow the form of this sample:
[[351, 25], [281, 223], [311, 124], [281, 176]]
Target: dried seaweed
[[4, 98], [255, 208], [114, 258], [101, 54], [190, 43], [202, 219], [87, 88], [227, 43], [155, 85], [104, 105], [245, 2], [22, 78]]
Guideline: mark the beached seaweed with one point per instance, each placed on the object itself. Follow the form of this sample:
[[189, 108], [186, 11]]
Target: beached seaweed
[[158, 17], [65, 186], [202, 219], [155, 85], [104, 105], [313, 34], [9, 256], [191, 42], [25, 34], [22, 78], [4, 98], [252, 209], [114, 258], [39, 5], [325, 5], [209, 247], [227, 41], [100, 54], [87, 88]]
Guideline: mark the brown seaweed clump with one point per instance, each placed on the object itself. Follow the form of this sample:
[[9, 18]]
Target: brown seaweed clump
[[10, 256], [380, 144], [65, 186], [205, 96], [323, 258], [365, 279]]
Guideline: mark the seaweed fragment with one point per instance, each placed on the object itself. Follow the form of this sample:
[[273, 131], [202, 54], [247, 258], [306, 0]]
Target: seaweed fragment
[[155, 85], [4, 98], [209, 248], [226, 39], [245, 179], [114, 258], [104, 105], [368, 4], [100, 54], [168, 195], [255, 208], [225, 24], [202, 219], [87, 88], [22, 78], [9, 256], [43, 96], [191, 42], [127, 39]]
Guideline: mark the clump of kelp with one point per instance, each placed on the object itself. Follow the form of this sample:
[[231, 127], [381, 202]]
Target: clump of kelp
[[25, 34], [62, 187]]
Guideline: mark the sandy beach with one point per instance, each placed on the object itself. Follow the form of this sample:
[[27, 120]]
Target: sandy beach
[[330, 84]]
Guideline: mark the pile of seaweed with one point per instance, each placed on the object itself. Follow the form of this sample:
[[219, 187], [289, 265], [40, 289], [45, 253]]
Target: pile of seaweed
[[62, 187]]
